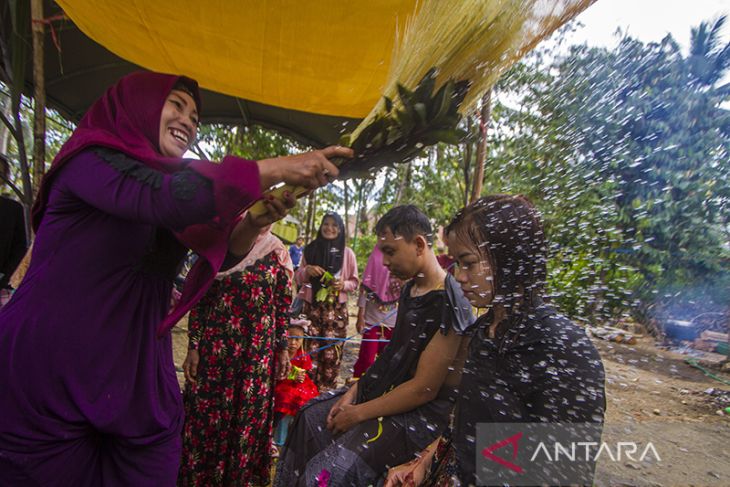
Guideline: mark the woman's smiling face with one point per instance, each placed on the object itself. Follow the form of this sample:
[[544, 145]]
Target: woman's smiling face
[[330, 229], [178, 124]]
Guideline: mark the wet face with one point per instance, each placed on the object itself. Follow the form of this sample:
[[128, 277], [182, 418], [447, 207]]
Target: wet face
[[330, 230], [294, 343], [402, 258], [178, 124], [472, 271]]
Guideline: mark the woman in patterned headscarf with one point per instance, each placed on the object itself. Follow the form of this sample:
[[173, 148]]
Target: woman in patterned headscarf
[[327, 310]]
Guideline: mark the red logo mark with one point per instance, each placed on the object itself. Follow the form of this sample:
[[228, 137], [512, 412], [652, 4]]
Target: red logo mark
[[512, 440]]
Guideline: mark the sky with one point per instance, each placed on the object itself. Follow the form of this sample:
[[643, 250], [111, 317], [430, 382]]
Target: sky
[[647, 20]]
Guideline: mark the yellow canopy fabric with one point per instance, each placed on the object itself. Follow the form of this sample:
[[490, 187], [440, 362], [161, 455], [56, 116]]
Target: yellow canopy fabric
[[327, 57]]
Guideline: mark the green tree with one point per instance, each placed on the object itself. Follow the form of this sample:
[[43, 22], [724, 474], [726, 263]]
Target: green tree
[[625, 152]]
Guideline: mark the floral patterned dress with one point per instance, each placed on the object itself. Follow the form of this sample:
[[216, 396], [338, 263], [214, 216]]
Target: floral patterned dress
[[328, 320], [237, 328]]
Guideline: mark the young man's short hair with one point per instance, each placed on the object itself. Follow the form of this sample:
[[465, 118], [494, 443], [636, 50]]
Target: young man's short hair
[[406, 221]]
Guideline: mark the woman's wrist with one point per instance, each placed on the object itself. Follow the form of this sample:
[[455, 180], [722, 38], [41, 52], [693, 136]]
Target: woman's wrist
[[426, 455], [270, 172], [359, 413], [243, 238]]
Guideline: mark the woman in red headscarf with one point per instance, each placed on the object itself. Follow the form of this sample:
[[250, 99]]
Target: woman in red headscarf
[[89, 391]]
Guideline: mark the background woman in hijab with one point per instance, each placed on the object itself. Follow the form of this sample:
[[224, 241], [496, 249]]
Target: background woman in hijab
[[327, 253], [237, 343], [89, 393], [378, 306]]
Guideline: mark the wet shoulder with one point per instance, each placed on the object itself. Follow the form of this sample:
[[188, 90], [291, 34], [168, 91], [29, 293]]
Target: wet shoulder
[[559, 338]]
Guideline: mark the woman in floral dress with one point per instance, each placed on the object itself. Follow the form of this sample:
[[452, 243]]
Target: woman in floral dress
[[237, 344]]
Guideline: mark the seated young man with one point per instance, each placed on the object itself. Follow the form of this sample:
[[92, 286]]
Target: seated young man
[[402, 403]]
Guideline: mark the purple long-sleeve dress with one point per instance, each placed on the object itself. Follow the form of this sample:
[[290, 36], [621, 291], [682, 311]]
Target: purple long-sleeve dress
[[89, 394]]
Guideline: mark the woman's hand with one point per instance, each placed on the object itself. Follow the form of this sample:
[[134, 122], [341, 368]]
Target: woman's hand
[[343, 418], [190, 366], [283, 365], [314, 271], [309, 169], [360, 324], [414, 472], [411, 474], [348, 397], [275, 211], [338, 285], [244, 234]]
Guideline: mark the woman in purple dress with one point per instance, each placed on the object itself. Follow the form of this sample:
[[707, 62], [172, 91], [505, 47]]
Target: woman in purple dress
[[89, 392]]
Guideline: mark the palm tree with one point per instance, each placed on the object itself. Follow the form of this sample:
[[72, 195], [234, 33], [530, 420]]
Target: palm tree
[[708, 60]]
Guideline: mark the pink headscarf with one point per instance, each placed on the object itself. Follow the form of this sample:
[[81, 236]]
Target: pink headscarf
[[377, 279], [265, 244], [127, 118]]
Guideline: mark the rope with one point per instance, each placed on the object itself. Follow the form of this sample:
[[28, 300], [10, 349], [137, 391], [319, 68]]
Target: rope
[[352, 337], [49, 22], [341, 339]]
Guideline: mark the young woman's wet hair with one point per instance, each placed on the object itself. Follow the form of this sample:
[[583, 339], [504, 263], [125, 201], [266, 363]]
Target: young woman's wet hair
[[506, 230]]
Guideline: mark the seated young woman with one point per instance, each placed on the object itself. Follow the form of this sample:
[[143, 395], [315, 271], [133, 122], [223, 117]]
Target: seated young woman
[[524, 362], [402, 403]]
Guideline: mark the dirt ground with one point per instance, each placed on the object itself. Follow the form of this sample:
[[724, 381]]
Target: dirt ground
[[647, 387]]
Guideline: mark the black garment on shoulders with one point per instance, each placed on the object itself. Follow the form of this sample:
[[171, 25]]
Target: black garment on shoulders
[[543, 369], [417, 322]]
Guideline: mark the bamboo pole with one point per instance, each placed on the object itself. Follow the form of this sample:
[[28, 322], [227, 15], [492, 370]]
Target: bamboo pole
[[25, 175], [15, 58], [39, 94]]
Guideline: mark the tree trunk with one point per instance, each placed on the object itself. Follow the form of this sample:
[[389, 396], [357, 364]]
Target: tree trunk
[[358, 205], [39, 94], [404, 184], [347, 211], [484, 117], [468, 150], [4, 132], [310, 217]]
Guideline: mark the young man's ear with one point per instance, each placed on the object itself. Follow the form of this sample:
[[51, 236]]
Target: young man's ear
[[421, 244]]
